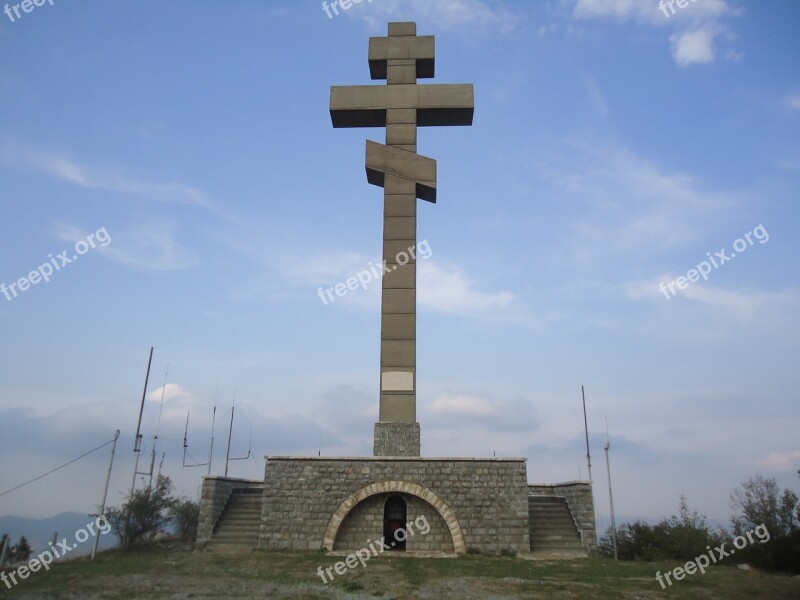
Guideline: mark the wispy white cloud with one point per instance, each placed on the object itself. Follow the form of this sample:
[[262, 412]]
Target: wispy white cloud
[[443, 288], [447, 289], [596, 96], [792, 101], [631, 205], [464, 405], [780, 461], [697, 27], [695, 46], [149, 247], [450, 413], [647, 12], [69, 170], [170, 391], [740, 305]]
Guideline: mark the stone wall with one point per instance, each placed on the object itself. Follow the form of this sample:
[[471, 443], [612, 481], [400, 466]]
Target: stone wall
[[482, 502], [396, 439], [213, 498], [581, 503]]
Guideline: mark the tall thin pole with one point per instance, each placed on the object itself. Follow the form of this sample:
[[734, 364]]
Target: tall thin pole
[[610, 494], [137, 443], [144, 393], [213, 422], [586, 429], [211, 447], [158, 426], [105, 492], [230, 432], [4, 551]]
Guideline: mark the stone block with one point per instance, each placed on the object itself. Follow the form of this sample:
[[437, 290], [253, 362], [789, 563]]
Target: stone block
[[398, 408], [400, 205], [402, 28], [382, 160], [401, 73], [401, 300], [401, 134], [401, 116], [400, 228], [401, 326], [398, 353], [402, 277]]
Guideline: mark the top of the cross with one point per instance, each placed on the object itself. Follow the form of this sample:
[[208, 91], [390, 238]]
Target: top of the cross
[[402, 28], [402, 44]]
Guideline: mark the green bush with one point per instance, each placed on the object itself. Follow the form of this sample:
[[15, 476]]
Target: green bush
[[681, 537], [185, 514]]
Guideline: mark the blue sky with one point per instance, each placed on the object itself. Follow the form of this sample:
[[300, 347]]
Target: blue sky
[[613, 147]]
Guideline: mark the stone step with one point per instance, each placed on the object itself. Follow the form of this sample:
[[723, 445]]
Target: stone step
[[556, 540], [242, 510], [236, 536], [552, 528], [239, 502], [553, 524], [248, 491], [556, 551], [239, 526], [549, 512], [571, 534], [240, 531], [233, 544]]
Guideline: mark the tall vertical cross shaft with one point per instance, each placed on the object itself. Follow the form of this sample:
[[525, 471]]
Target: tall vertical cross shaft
[[400, 106]]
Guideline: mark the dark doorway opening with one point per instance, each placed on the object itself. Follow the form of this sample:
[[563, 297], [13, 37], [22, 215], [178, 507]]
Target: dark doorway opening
[[394, 523]]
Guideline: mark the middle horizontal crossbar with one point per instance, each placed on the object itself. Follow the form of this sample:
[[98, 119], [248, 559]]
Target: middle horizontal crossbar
[[436, 104]]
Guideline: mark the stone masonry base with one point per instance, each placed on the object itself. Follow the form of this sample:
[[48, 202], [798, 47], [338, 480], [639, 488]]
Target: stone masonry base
[[470, 504], [396, 439]]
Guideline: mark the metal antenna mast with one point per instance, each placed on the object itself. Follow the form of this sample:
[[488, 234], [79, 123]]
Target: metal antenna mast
[[210, 448], [610, 494], [137, 446], [158, 426], [228, 457], [105, 493], [586, 429]]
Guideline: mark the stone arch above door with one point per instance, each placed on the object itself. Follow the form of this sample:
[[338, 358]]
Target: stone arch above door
[[404, 487]]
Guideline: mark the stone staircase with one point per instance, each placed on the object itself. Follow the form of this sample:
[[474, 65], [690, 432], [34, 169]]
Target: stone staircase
[[239, 525], [552, 527]]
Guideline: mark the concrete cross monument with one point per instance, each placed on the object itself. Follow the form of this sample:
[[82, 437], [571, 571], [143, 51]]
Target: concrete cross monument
[[400, 106]]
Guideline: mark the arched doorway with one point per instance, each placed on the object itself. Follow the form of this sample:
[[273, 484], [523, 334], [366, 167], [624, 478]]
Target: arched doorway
[[394, 523], [329, 539]]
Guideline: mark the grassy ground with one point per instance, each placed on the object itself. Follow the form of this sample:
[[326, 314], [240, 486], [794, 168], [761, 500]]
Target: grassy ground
[[171, 572]]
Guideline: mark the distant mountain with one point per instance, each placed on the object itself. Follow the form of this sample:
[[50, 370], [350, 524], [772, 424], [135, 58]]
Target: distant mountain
[[39, 532]]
